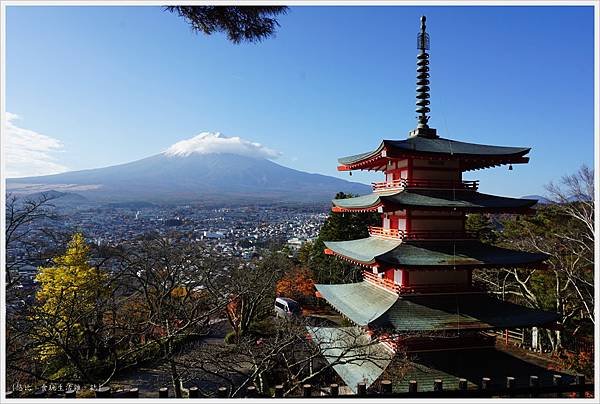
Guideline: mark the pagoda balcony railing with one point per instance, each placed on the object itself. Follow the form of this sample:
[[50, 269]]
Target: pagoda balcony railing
[[427, 184], [381, 282], [390, 285], [419, 235]]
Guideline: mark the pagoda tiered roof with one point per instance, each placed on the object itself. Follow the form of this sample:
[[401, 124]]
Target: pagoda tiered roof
[[433, 199], [369, 305], [472, 156], [427, 366], [426, 254]]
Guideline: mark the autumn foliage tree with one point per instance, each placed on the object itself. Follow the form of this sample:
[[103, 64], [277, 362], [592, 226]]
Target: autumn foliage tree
[[68, 315], [297, 284]]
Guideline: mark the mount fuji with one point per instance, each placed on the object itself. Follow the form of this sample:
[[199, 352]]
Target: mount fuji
[[209, 168]]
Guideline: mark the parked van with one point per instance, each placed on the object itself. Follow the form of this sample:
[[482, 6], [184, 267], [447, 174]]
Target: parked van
[[286, 308]]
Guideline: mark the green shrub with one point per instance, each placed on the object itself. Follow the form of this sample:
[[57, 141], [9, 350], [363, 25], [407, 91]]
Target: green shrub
[[230, 338]]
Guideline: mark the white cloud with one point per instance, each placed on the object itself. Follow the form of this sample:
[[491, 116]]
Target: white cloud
[[215, 142], [28, 153]]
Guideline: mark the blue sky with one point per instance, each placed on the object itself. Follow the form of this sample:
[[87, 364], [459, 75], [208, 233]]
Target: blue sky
[[115, 84]]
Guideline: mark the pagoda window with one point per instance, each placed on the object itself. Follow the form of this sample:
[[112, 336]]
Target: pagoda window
[[398, 276], [386, 222]]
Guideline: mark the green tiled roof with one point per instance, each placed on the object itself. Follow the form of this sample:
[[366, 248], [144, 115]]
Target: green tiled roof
[[359, 202], [361, 302], [420, 145], [471, 253], [459, 312], [363, 250], [434, 253], [459, 199], [357, 359], [366, 304]]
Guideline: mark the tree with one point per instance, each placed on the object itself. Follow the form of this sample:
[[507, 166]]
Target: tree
[[297, 284], [68, 319], [26, 243], [250, 290], [575, 197], [22, 234], [164, 282], [564, 231], [337, 227], [482, 227], [239, 23], [289, 355]]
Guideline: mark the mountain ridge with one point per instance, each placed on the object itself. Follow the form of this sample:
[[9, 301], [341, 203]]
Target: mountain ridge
[[210, 177]]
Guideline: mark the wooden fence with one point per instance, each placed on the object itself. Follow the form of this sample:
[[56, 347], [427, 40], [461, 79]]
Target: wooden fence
[[579, 388], [522, 338]]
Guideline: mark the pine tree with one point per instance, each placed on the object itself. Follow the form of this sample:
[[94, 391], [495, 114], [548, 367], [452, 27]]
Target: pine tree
[[337, 227]]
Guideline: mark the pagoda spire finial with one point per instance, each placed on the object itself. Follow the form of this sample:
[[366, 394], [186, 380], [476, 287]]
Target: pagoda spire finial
[[423, 102]]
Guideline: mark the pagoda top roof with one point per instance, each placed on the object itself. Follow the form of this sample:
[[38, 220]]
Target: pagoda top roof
[[368, 305], [474, 156], [425, 254], [464, 200]]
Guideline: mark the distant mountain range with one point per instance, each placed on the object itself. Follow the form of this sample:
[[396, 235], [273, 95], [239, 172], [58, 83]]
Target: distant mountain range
[[208, 178], [541, 200]]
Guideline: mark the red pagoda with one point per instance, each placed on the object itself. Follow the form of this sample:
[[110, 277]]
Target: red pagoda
[[417, 267]]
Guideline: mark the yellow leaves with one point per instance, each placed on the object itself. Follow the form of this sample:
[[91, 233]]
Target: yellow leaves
[[71, 276], [179, 292], [69, 289]]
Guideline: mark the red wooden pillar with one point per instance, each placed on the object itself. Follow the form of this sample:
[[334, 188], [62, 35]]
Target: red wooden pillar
[[404, 278]]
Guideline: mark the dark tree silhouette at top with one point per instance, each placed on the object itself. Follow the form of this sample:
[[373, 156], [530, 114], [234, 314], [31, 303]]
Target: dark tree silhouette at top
[[241, 24]]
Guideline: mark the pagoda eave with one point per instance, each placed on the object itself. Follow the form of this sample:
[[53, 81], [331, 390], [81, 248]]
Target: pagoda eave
[[471, 165], [472, 156], [387, 208], [375, 208], [431, 254], [368, 305], [366, 264], [461, 200]]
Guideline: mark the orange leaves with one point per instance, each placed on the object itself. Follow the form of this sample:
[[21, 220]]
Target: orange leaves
[[297, 284]]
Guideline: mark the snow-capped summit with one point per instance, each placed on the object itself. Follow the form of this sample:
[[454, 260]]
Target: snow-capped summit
[[217, 143]]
